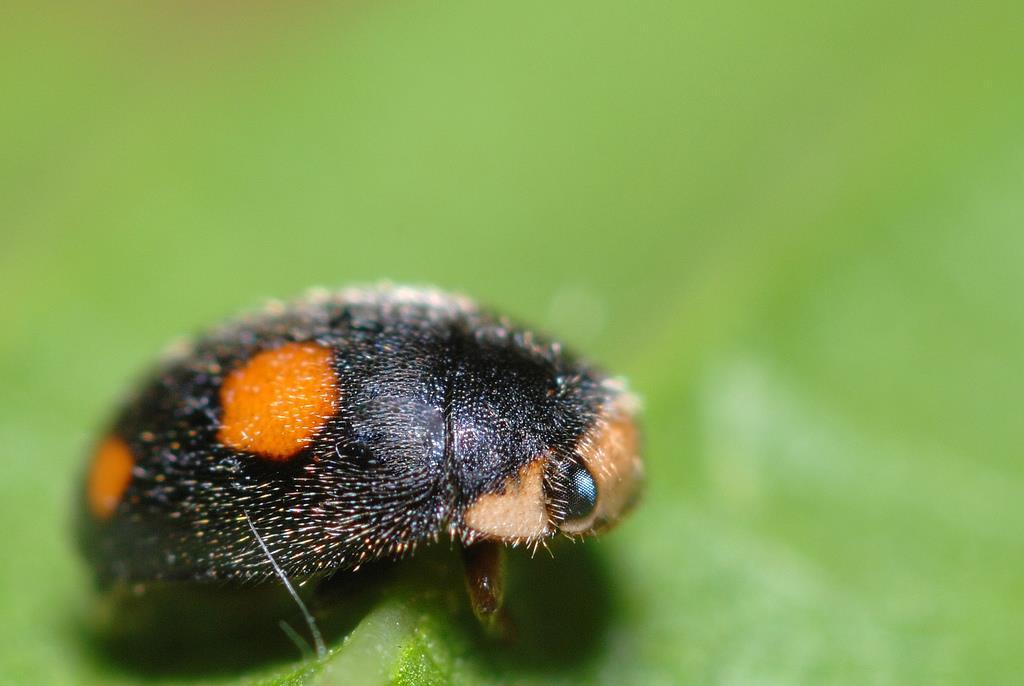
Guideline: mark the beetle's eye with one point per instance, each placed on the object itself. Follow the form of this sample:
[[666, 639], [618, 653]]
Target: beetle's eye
[[580, 493]]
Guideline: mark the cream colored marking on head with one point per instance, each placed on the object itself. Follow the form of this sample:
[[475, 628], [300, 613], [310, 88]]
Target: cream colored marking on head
[[610, 452], [517, 513]]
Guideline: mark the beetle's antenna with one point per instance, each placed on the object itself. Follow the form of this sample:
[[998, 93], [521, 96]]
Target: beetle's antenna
[[318, 640]]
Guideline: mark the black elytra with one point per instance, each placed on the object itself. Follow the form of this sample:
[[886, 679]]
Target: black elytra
[[442, 419]]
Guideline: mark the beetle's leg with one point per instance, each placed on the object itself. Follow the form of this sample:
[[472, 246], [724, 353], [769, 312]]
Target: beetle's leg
[[485, 577], [485, 581]]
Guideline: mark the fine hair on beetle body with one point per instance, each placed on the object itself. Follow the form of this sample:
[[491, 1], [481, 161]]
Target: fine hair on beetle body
[[315, 436]]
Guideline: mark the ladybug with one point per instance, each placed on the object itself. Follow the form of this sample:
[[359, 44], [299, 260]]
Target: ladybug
[[313, 437]]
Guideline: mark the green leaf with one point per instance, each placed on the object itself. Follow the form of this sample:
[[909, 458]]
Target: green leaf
[[795, 227]]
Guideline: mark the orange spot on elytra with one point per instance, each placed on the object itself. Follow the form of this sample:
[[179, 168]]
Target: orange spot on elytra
[[109, 476], [277, 401]]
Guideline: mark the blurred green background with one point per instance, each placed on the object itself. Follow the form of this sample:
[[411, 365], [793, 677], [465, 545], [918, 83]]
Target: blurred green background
[[795, 226]]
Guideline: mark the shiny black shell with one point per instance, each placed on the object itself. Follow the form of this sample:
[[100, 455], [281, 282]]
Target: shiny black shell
[[439, 404]]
